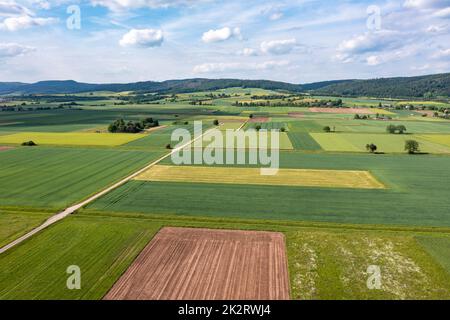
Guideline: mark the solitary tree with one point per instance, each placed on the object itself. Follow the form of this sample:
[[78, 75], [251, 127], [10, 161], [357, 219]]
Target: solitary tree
[[257, 127], [412, 146], [371, 147], [401, 129], [29, 143], [216, 122], [327, 129], [391, 128]]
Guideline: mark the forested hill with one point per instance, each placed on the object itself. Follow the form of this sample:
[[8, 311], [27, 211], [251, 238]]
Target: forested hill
[[423, 86], [420, 87], [169, 86]]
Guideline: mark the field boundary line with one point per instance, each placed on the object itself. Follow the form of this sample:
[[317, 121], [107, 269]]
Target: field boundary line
[[68, 211]]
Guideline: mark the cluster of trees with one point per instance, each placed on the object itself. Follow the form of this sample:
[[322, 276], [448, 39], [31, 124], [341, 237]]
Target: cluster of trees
[[361, 117], [21, 108], [396, 129], [268, 97], [180, 122], [141, 98], [201, 102], [368, 117], [328, 129], [265, 104], [291, 103], [218, 96], [120, 126], [411, 146]]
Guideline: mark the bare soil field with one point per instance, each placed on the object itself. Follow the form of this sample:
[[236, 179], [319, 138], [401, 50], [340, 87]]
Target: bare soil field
[[296, 114], [429, 113], [4, 148], [197, 264], [259, 119]]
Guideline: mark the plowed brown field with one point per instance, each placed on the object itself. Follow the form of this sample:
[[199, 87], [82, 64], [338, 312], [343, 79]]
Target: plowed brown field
[[259, 119], [197, 264]]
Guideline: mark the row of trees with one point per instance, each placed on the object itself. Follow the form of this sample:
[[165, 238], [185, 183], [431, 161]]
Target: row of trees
[[411, 146], [120, 126]]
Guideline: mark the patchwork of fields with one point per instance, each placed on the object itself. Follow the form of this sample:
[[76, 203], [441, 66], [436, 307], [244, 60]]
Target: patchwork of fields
[[332, 209]]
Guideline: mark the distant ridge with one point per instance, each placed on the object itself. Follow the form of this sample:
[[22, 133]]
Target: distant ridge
[[400, 87]]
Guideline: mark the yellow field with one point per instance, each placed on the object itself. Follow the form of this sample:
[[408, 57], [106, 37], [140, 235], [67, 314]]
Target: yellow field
[[284, 177], [443, 139], [71, 138]]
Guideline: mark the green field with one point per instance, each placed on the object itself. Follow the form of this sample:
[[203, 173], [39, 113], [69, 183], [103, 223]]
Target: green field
[[14, 224], [389, 143], [57, 177], [303, 141], [101, 249], [438, 248]]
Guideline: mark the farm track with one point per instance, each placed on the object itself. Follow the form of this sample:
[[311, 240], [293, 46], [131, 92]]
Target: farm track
[[68, 211], [197, 264]]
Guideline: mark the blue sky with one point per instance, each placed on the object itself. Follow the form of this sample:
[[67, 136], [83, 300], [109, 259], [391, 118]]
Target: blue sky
[[295, 41]]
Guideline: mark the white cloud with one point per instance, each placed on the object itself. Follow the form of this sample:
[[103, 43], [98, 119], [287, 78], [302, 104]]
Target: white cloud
[[373, 60], [276, 15], [271, 64], [215, 67], [221, 34], [438, 8], [278, 46], [142, 38], [12, 8], [248, 52], [443, 53], [25, 22], [443, 13], [123, 5], [421, 68], [237, 66], [437, 28], [424, 4], [9, 50], [42, 4], [372, 42]]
